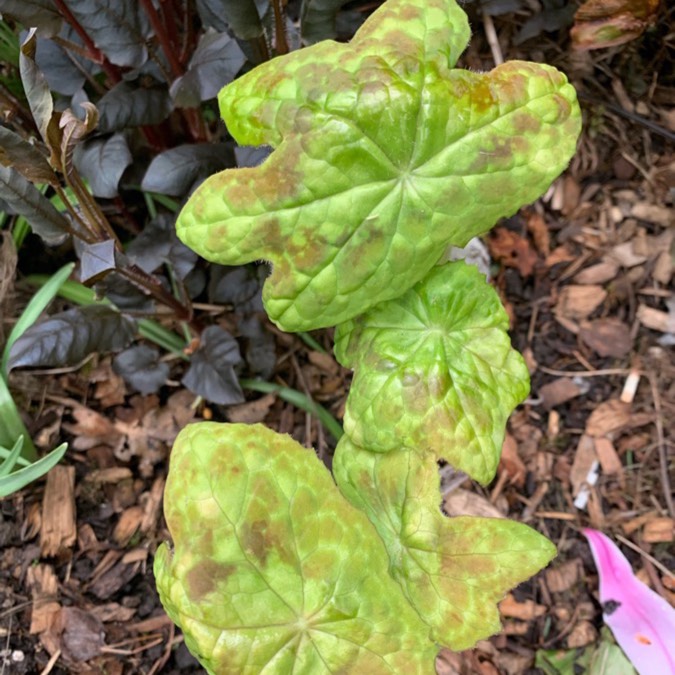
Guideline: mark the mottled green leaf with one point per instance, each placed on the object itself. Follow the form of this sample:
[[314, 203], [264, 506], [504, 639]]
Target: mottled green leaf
[[384, 156], [454, 571], [434, 370], [272, 570]]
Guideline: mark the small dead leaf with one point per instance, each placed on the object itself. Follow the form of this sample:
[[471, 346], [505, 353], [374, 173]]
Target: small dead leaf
[[512, 250], [83, 634], [606, 337], [656, 319], [127, 525], [559, 391], [659, 530], [609, 459], [511, 463], [577, 302], [461, 502], [59, 524], [325, 362], [653, 213], [597, 274], [613, 415], [625, 255], [562, 577], [525, 611], [537, 227], [112, 611], [251, 412]]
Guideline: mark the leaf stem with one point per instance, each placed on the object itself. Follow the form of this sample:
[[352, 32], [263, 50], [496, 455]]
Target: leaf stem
[[95, 54]]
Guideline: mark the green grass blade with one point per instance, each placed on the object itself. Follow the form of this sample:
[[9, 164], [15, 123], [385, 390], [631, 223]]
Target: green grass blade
[[18, 480], [11, 425], [35, 307], [12, 458]]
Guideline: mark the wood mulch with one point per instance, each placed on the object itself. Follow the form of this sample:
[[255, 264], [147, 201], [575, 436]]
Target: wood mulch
[[586, 275]]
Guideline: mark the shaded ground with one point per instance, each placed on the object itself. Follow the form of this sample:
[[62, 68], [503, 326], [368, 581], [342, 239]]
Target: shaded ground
[[586, 274]]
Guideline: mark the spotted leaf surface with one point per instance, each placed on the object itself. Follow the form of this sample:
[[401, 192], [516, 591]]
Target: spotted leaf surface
[[272, 570], [454, 571], [384, 155], [434, 370]]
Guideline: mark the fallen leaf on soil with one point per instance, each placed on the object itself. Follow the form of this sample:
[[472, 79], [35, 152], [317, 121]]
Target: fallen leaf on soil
[[653, 213], [510, 461], [663, 268], [525, 611], [625, 255], [251, 412], [659, 530], [562, 577], [559, 255], [461, 502], [607, 23], [83, 634], [597, 274], [537, 227], [609, 459], [112, 612], [44, 587], [90, 429], [656, 319], [127, 525], [325, 362], [559, 391], [59, 524], [613, 415], [606, 337], [577, 302], [512, 250], [584, 458]]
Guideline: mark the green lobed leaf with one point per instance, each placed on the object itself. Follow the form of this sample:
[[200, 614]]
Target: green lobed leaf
[[385, 155], [272, 570], [434, 370], [454, 571]]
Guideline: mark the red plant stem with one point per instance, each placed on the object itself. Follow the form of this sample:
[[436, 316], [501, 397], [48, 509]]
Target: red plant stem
[[94, 52], [163, 37], [148, 283], [281, 42]]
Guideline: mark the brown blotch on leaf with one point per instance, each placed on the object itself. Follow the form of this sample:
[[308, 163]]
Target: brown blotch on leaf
[[205, 577]]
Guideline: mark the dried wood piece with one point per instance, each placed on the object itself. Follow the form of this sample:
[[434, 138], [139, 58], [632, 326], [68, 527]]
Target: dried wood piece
[[44, 587], [461, 502], [656, 319], [597, 274], [577, 302], [59, 523], [526, 610], [128, 524], [612, 416], [561, 390], [584, 459], [562, 577], [609, 458], [659, 530], [606, 337], [625, 255]]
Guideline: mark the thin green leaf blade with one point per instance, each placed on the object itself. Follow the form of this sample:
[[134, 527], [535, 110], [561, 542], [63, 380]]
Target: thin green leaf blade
[[434, 370], [19, 479], [384, 156], [9, 462], [272, 569], [454, 571]]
